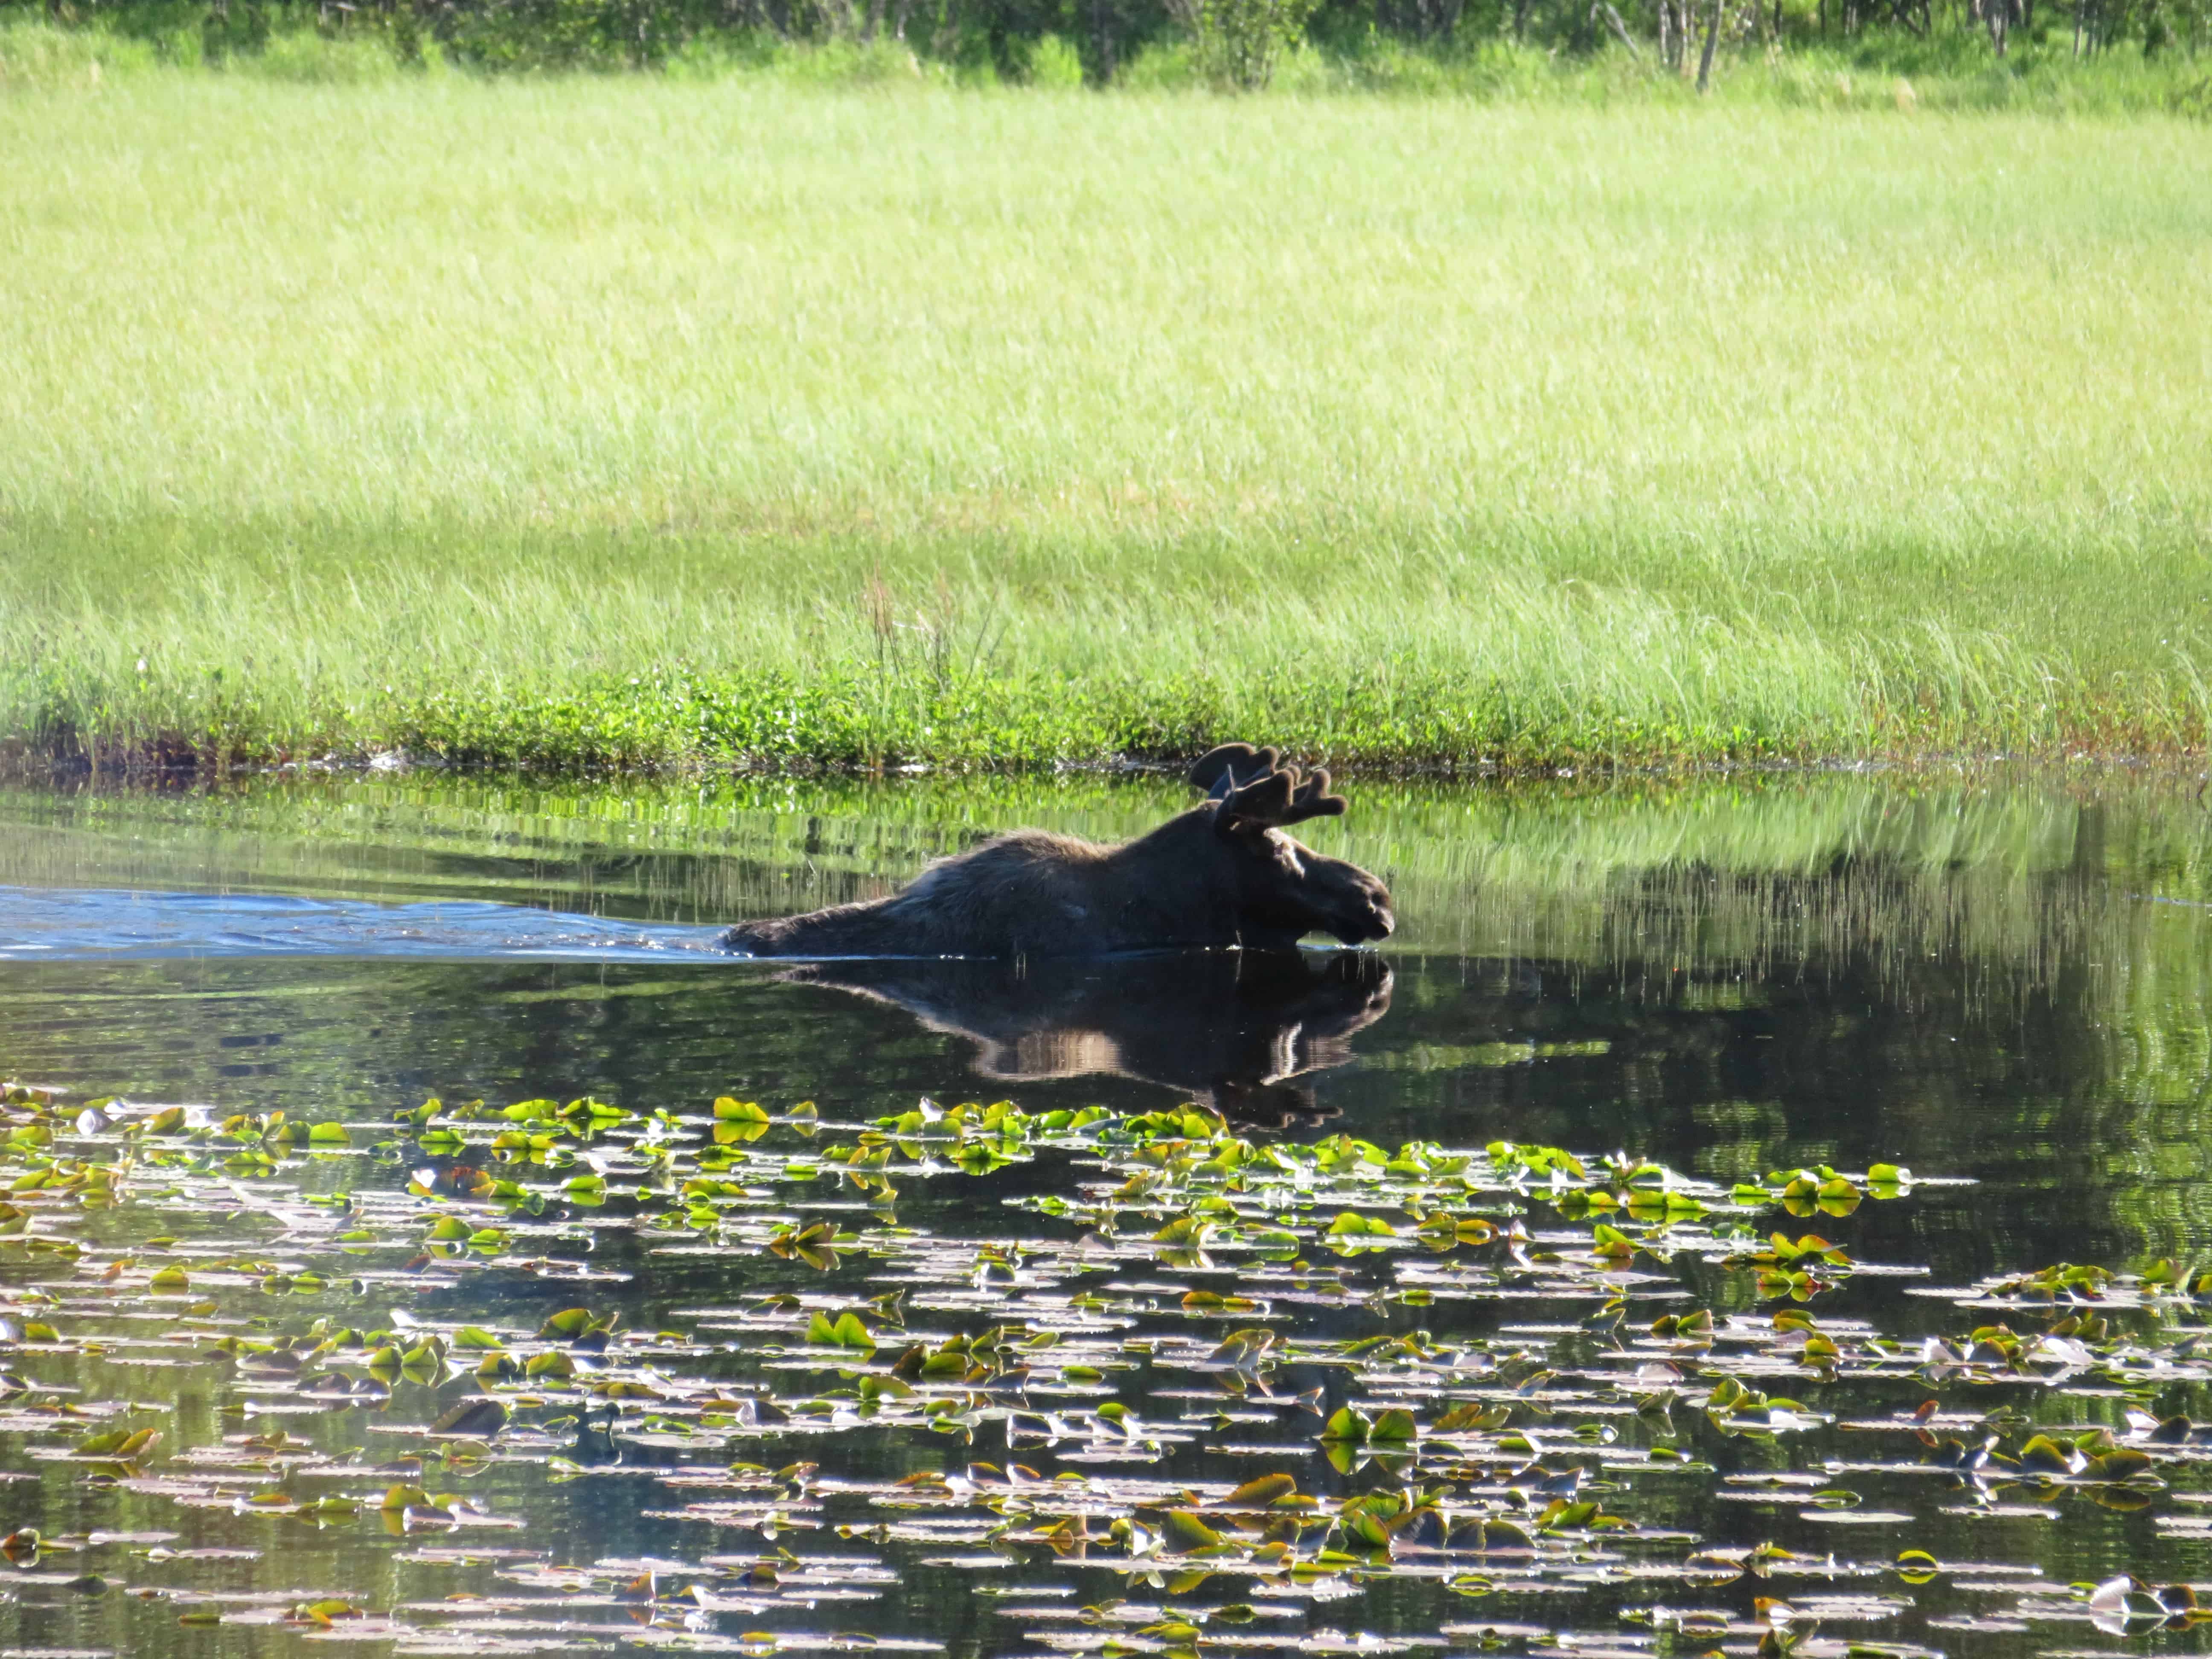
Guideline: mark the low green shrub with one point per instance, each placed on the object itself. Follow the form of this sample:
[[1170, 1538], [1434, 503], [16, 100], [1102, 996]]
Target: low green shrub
[[1052, 62], [309, 58], [36, 55]]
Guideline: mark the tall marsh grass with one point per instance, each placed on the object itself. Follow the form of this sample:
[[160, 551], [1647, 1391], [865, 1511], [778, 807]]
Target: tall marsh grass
[[662, 419]]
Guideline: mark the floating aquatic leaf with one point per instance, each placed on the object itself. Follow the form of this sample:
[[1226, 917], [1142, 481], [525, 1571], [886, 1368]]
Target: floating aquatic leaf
[[476, 1418], [1261, 1491]]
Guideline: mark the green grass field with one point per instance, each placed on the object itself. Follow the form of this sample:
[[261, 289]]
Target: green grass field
[[629, 419]]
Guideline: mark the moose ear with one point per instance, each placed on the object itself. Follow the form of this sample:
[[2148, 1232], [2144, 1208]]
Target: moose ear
[[1257, 806], [1219, 770]]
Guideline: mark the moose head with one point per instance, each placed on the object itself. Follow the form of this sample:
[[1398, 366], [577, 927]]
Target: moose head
[[1283, 890]]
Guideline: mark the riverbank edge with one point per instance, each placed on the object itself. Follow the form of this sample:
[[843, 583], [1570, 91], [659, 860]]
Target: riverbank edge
[[1378, 714]]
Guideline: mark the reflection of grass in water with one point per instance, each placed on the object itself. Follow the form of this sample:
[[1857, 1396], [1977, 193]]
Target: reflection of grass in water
[[2010, 871], [1451, 1057], [1274, 417]]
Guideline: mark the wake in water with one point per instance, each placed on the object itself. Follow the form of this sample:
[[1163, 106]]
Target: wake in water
[[85, 925]]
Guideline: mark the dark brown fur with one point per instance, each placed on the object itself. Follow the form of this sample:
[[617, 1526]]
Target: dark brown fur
[[1223, 874]]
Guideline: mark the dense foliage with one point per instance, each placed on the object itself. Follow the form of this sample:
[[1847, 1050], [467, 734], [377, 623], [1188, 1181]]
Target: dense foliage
[[1232, 44]]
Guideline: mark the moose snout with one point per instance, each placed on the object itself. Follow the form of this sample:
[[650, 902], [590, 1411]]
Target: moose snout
[[1370, 919]]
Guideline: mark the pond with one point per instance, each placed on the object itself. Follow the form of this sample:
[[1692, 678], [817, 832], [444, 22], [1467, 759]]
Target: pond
[[1733, 1215]]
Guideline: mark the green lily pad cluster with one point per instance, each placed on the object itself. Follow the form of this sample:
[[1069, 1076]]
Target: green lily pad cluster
[[1156, 1384]]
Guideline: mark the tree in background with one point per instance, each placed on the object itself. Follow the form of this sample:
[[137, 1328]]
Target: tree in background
[[1240, 42], [1236, 45]]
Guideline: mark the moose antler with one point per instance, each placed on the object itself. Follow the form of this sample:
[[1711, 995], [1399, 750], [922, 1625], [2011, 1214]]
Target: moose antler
[[1257, 792]]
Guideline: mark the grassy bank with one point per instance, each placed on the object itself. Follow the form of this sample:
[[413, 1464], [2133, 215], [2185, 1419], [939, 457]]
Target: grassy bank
[[633, 419]]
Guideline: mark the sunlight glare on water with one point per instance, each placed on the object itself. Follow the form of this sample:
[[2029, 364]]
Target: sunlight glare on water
[[96, 924]]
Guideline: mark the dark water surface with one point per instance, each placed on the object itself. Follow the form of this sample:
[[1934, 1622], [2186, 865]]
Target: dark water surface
[[2002, 981]]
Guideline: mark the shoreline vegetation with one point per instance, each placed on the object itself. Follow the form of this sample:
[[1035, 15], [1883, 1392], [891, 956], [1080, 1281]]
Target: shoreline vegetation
[[698, 422], [395, 660], [2087, 58]]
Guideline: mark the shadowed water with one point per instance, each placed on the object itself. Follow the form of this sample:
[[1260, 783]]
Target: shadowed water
[[2000, 980]]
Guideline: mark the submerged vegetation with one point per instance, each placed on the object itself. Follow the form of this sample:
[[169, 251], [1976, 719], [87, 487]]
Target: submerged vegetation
[[1141, 1382], [722, 423]]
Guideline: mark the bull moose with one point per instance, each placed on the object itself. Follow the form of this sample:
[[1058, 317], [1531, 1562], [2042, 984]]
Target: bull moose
[[1221, 875]]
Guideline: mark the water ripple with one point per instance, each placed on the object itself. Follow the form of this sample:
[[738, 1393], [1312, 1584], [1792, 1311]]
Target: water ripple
[[97, 925]]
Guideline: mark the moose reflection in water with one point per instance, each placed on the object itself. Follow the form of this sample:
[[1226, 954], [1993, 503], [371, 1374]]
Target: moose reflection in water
[[1234, 1028], [1221, 874]]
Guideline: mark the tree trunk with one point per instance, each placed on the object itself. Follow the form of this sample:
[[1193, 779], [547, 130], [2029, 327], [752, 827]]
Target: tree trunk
[[1620, 30], [1705, 58]]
